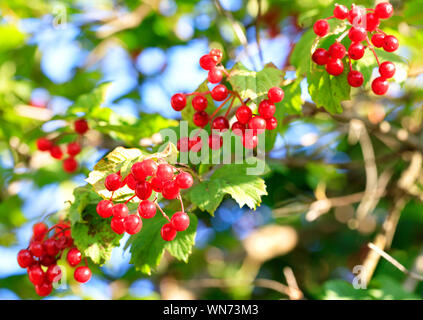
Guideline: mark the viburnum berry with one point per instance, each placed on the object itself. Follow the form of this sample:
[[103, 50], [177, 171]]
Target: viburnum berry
[[243, 114], [195, 144], [180, 221], [337, 51], [266, 109], [156, 184], [36, 274], [275, 94], [56, 152], [47, 260], [74, 257], [36, 249], [184, 180], [257, 124], [335, 67], [143, 190], [355, 78], [215, 141], [148, 167], [320, 56], [73, 148], [340, 12], [39, 230], [384, 10], [390, 43], [356, 14], [219, 93], [271, 123], [120, 210], [238, 128], [357, 34], [70, 165], [356, 51], [44, 144], [104, 208], [199, 103], [133, 224], [113, 182], [207, 62], [220, 124], [372, 21], [321, 28], [81, 126], [167, 232], [131, 182], [54, 273], [178, 101], [147, 209], [183, 144], [138, 172], [43, 289], [249, 141], [164, 172], [170, 190], [215, 75], [117, 225], [50, 247], [378, 40], [25, 258], [387, 69], [216, 54], [82, 274], [200, 118], [380, 86]]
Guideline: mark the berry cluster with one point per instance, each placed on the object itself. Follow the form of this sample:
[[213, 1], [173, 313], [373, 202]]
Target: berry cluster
[[145, 177], [258, 123], [73, 148], [40, 258], [364, 22]]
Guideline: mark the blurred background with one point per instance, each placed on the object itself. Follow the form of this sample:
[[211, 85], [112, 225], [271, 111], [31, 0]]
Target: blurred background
[[297, 244]]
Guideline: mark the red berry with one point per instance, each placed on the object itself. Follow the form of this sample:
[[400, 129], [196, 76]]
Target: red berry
[[207, 62], [243, 114], [138, 172], [43, 289], [380, 86], [340, 12], [56, 152], [390, 43], [70, 165], [266, 109], [219, 93], [178, 101], [216, 54], [320, 56], [47, 260], [195, 144], [384, 10], [44, 144], [215, 75], [249, 141], [131, 181], [271, 123], [147, 209], [372, 22], [335, 67], [200, 118], [117, 225], [387, 69], [143, 190], [148, 167], [378, 40], [337, 51], [36, 249], [167, 232], [220, 124], [104, 208], [183, 144], [355, 78], [36, 274], [54, 273], [73, 148], [39, 230], [74, 257], [180, 221], [356, 51], [355, 15], [170, 190], [120, 210], [82, 274], [321, 27], [156, 184], [25, 258], [357, 34], [238, 128], [199, 103], [258, 124], [50, 247], [275, 94], [113, 182], [81, 126], [164, 172], [133, 224], [215, 141], [184, 180]]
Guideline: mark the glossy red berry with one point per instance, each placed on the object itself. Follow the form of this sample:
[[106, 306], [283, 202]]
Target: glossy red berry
[[73, 148], [117, 225], [380, 86], [199, 103], [356, 51], [43, 289], [183, 144], [340, 12], [335, 67], [384, 10], [378, 40], [337, 51], [219, 93], [74, 257], [131, 181], [266, 109], [36, 274], [50, 247], [215, 141], [372, 22], [243, 114], [180, 221], [355, 15], [178, 101], [148, 167], [25, 258], [355, 78], [238, 128], [207, 62], [133, 224], [170, 190], [36, 249], [81, 126], [271, 123], [44, 144], [216, 54], [104, 208], [82, 274], [321, 28], [56, 152], [143, 190], [257, 124], [195, 144], [357, 34], [164, 172], [47, 260], [215, 75], [157, 184], [39, 230], [113, 182], [387, 69], [147, 209], [184, 180], [249, 141], [390, 43], [120, 210], [70, 165], [320, 56], [200, 118], [54, 273], [275, 94], [138, 172], [220, 124], [167, 232]]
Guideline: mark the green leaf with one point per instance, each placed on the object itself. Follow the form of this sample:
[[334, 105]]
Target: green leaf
[[82, 197], [343, 290], [206, 195], [91, 101], [10, 37], [292, 102], [254, 85], [147, 246]]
